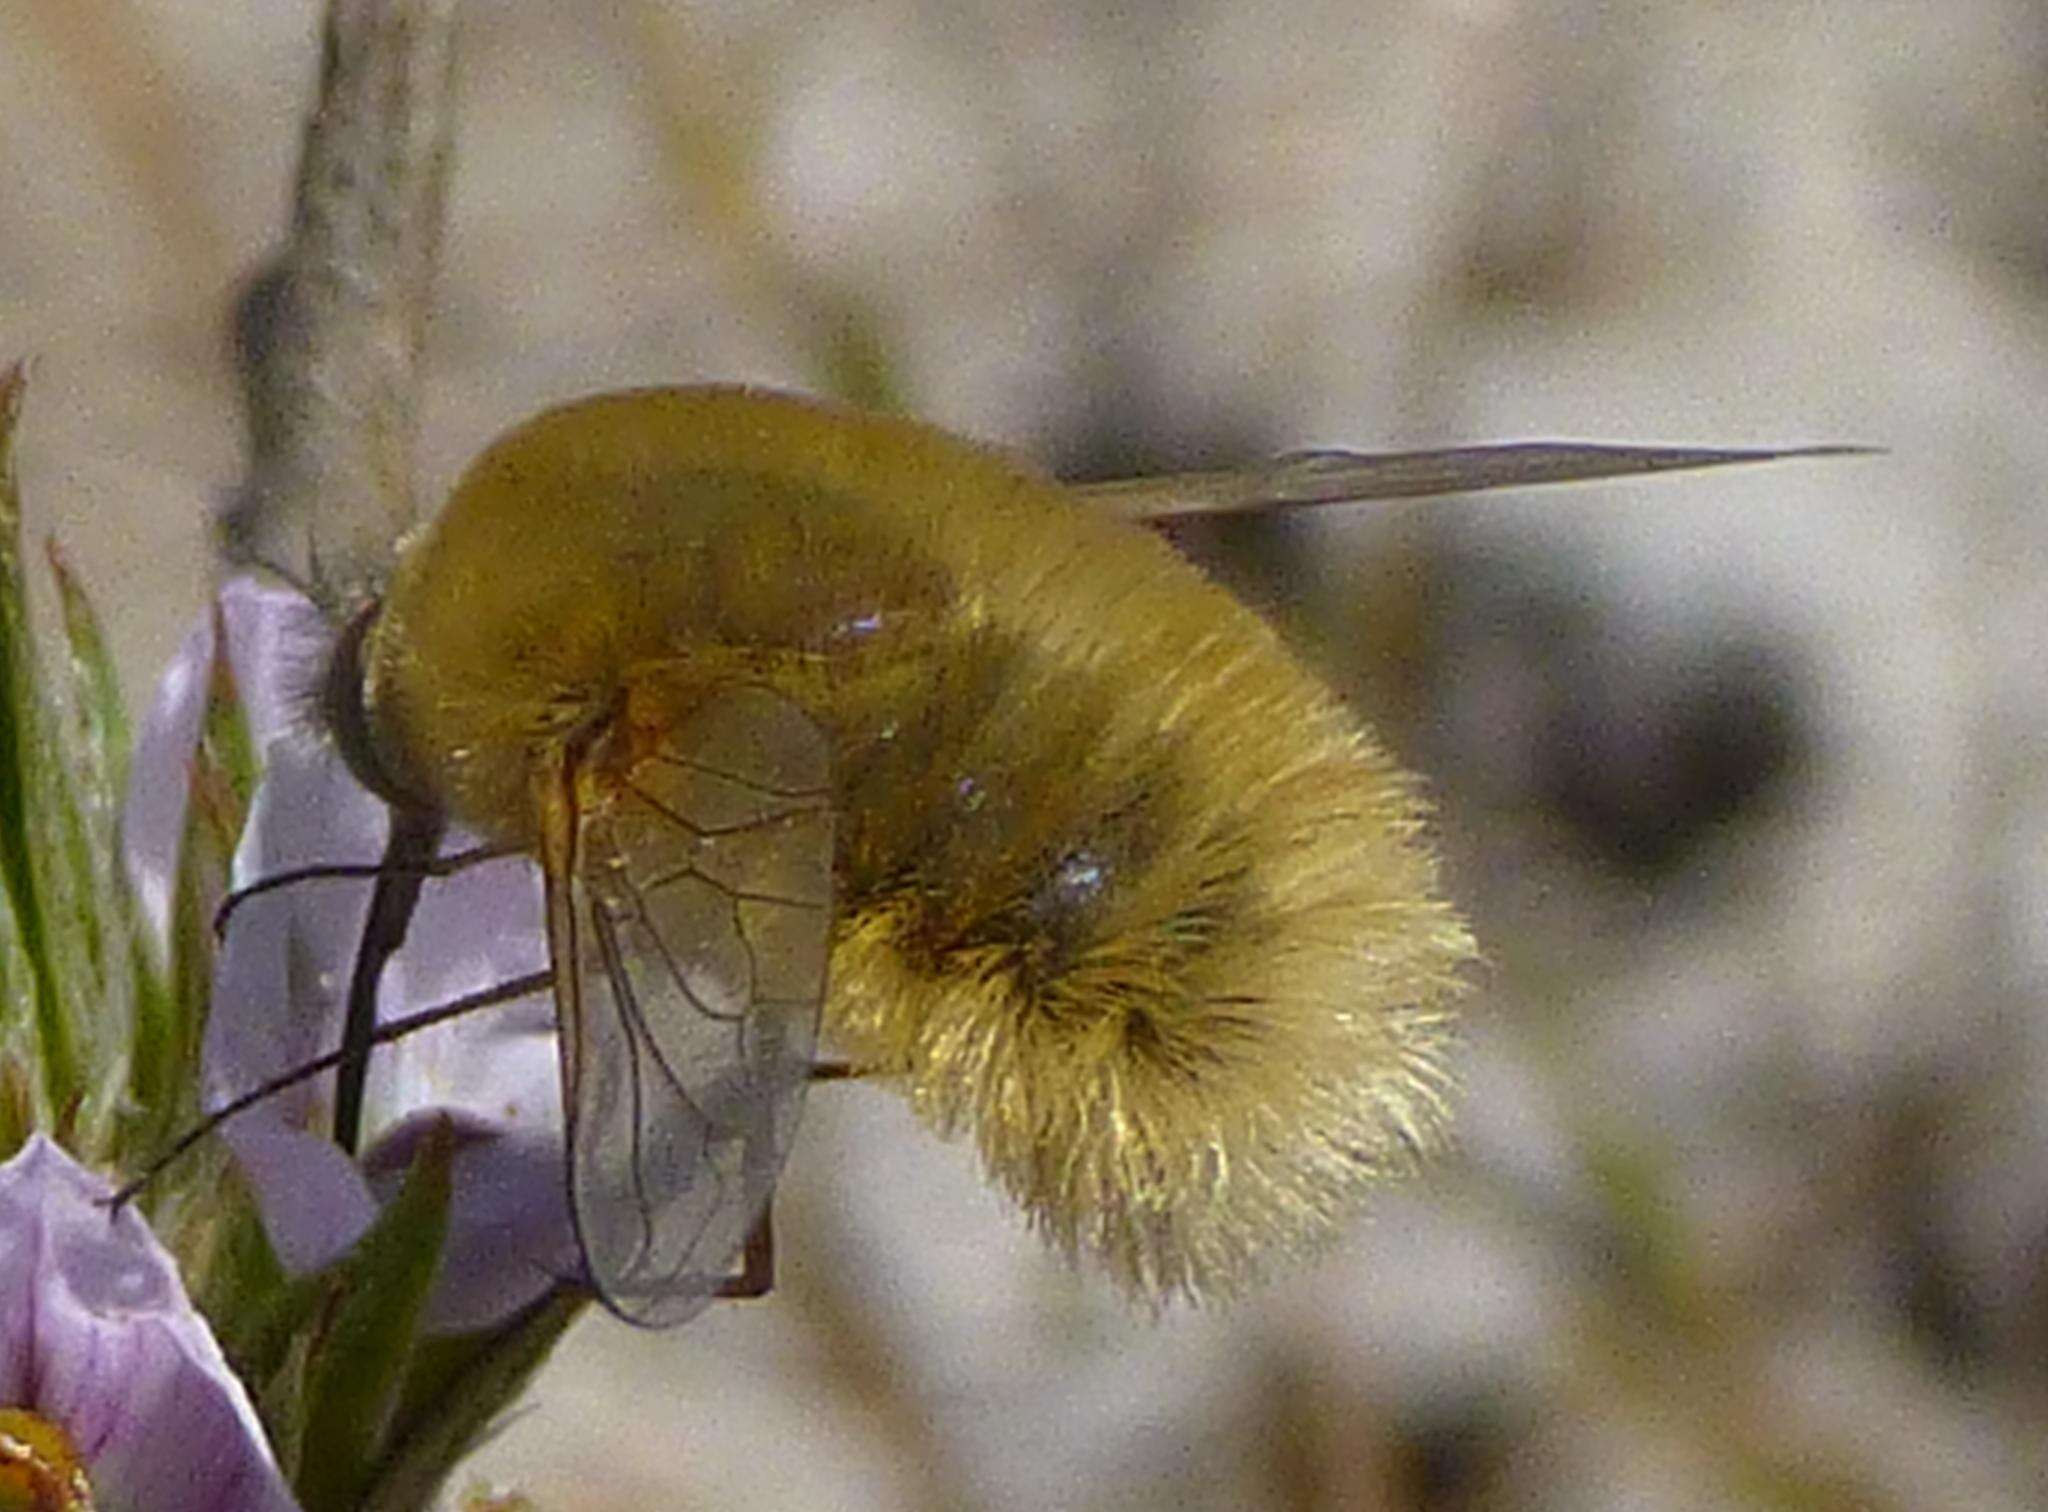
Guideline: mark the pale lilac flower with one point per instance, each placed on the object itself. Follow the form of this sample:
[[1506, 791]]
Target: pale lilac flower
[[281, 983], [275, 639], [98, 1337]]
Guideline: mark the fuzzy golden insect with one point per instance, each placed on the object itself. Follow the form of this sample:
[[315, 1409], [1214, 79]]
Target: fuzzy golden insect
[[811, 713]]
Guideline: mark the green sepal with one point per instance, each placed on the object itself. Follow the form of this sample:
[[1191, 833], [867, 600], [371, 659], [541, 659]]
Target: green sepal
[[235, 1277], [458, 1390], [281, 1403], [368, 1333]]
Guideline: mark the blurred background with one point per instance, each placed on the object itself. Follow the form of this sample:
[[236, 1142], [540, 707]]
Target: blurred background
[[1740, 774]]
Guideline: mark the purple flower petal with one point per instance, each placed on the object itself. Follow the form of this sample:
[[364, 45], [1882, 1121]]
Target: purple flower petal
[[509, 1232], [281, 985], [276, 640], [97, 1335], [279, 988]]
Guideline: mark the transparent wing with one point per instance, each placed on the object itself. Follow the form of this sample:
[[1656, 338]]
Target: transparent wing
[[1348, 477], [690, 948]]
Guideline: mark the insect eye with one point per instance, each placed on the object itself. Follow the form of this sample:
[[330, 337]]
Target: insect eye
[[346, 696]]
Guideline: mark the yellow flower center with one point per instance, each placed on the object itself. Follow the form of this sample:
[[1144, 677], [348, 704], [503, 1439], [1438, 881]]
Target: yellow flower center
[[39, 1470]]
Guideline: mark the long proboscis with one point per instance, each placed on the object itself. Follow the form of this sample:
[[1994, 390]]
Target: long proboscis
[[1302, 479]]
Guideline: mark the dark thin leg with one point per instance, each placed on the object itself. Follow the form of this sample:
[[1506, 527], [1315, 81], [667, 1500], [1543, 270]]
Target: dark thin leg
[[415, 836], [412, 1023], [757, 1263], [440, 866]]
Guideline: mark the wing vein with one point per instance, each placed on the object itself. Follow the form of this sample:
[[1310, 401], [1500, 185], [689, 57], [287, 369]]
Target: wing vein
[[632, 1031], [689, 1074], [765, 789], [709, 831]]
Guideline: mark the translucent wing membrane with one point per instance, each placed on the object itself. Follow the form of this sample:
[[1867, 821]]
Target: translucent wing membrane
[[696, 935], [1348, 477]]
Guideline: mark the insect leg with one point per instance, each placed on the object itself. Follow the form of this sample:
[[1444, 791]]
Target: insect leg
[[756, 1277], [412, 1023], [757, 1263], [439, 866]]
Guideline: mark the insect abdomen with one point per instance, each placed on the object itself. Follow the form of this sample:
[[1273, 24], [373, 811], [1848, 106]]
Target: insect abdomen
[[1127, 894]]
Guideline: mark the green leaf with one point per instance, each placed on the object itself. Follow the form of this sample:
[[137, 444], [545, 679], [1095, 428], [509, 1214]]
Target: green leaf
[[143, 1128], [102, 715], [236, 1278], [25, 783], [95, 749], [95, 916], [458, 1390], [282, 1404], [66, 924], [230, 756], [17, 1105], [360, 1363], [16, 1008], [170, 1011]]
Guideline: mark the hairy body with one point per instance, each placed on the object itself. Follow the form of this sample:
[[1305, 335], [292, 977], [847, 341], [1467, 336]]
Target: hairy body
[[1116, 884]]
